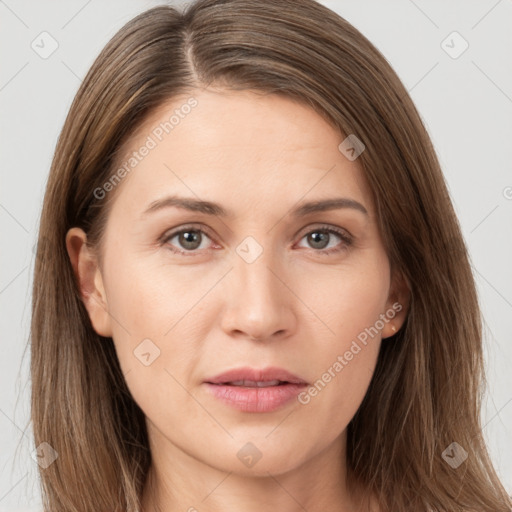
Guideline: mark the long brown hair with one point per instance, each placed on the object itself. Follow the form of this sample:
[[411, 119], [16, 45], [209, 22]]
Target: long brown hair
[[426, 390]]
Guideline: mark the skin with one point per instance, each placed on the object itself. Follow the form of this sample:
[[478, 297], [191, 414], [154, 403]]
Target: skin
[[293, 307]]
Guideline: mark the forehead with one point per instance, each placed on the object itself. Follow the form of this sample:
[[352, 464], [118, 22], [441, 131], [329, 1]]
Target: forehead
[[238, 146]]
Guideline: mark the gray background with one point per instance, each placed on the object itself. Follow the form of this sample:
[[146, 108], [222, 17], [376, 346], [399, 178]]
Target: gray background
[[466, 103]]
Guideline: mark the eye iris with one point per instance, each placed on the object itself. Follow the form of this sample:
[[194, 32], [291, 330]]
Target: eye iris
[[190, 237], [315, 237]]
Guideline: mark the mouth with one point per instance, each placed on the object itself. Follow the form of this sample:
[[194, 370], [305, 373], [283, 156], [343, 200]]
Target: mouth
[[252, 383], [256, 377], [255, 390]]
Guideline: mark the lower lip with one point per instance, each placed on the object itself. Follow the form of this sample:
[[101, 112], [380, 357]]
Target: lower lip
[[249, 399]]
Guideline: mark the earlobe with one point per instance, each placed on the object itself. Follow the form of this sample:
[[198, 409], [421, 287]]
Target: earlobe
[[397, 305], [89, 280]]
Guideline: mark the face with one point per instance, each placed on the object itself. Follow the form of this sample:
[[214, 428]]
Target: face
[[254, 283]]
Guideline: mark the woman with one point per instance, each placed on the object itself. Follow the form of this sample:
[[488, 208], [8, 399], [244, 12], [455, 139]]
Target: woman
[[253, 291]]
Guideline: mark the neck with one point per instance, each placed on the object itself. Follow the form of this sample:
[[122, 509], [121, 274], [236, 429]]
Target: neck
[[188, 484]]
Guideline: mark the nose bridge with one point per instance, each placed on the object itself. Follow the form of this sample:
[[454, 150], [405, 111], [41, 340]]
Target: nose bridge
[[257, 302], [257, 279], [253, 262]]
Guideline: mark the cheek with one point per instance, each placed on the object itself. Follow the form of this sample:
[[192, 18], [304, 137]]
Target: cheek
[[351, 305], [149, 297], [157, 321], [348, 298]]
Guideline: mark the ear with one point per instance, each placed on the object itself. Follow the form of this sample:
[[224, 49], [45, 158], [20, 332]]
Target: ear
[[397, 303], [86, 268]]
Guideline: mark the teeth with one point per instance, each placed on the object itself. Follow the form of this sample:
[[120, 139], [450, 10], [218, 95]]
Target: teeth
[[254, 384]]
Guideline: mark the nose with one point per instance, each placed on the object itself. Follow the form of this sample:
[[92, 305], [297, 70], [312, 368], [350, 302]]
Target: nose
[[259, 304]]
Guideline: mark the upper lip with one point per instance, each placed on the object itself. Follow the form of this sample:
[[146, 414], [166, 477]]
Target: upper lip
[[257, 375]]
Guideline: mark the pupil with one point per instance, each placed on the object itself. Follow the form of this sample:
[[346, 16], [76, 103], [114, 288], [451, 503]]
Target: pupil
[[188, 239], [315, 238]]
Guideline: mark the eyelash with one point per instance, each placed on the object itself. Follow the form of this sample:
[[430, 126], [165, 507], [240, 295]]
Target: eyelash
[[346, 239]]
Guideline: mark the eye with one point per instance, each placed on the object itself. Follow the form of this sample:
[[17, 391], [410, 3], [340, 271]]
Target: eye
[[189, 239], [320, 238]]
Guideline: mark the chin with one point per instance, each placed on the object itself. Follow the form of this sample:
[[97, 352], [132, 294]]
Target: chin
[[249, 460]]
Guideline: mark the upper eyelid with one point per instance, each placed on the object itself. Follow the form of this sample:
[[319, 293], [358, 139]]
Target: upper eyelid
[[171, 233]]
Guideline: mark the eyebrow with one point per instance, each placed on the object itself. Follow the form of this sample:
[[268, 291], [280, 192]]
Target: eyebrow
[[211, 208]]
